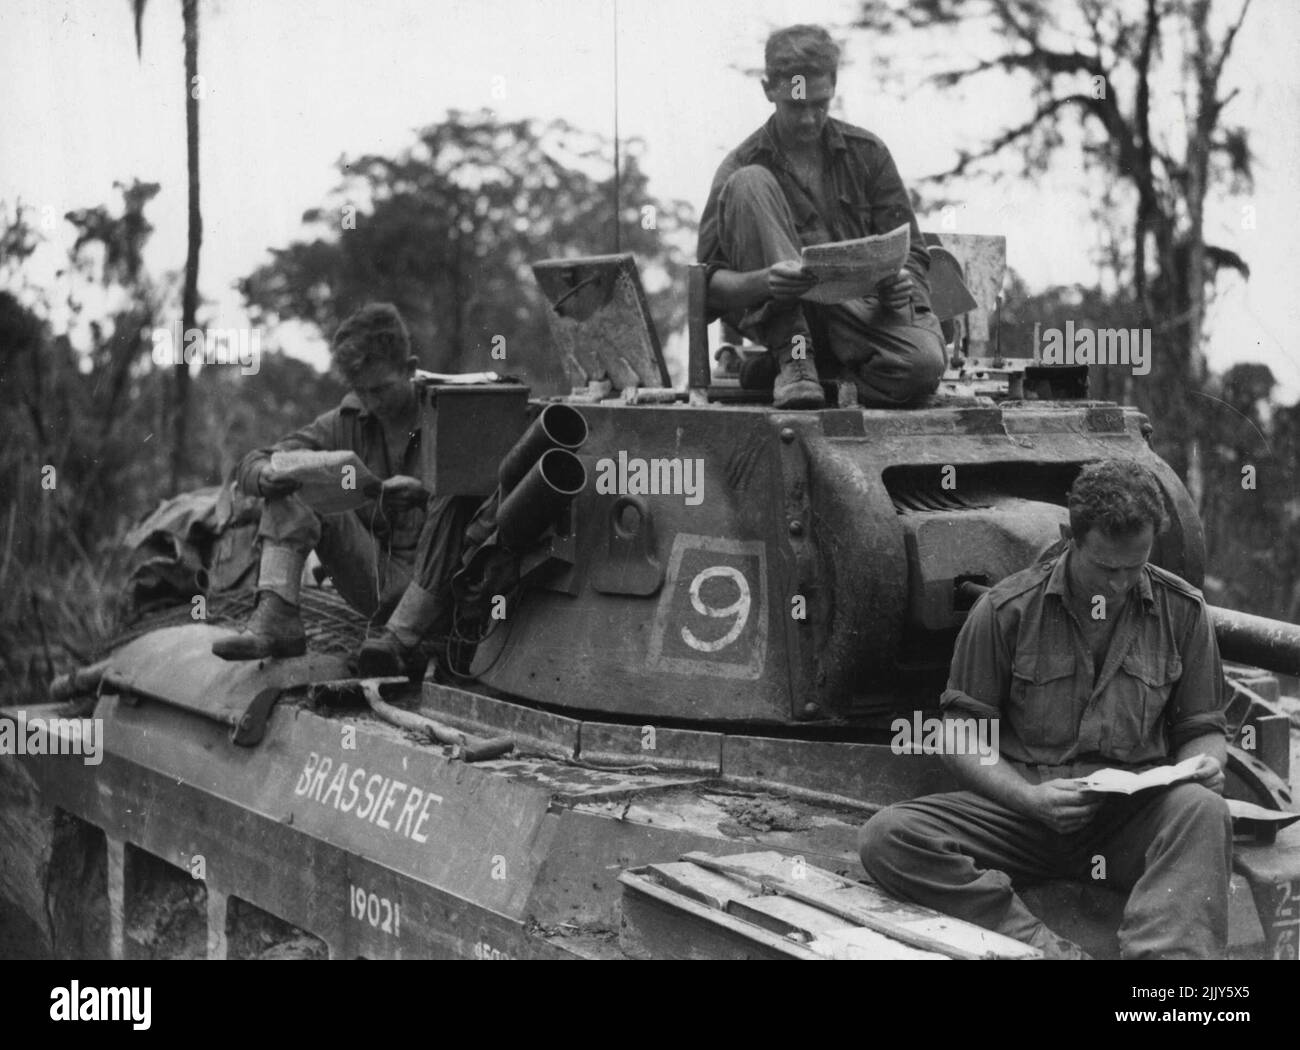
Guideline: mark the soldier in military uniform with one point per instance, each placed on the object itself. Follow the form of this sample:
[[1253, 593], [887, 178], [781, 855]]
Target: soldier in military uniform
[[802, 179], [391, 559], [1092, 659]]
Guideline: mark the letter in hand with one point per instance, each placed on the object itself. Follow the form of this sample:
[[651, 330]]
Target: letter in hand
[[1210, 774], [271, 483], [896, 292], [786, 281], [1064, 805], [401, 491]]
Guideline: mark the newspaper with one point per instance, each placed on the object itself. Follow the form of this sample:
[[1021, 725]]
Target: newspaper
[[1122, 782], [332, 482], [852, 269]]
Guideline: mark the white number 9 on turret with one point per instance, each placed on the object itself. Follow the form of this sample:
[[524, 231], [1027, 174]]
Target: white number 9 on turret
[[712, 612]]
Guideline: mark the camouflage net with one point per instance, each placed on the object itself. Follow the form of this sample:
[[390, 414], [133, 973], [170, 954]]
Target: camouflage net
[[332, 626]]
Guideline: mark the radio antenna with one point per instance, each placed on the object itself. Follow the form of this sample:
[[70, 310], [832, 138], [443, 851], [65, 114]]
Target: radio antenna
[[617, 172]]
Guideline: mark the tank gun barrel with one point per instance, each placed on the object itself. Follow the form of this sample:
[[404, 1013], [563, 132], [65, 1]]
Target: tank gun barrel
[[1256, 640], [1271, 645]]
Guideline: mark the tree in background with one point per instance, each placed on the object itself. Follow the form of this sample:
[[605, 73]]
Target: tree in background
[[82, 413], [1245, 476], [1095, 66], [194, 226], [1247, 490], [448, 231]]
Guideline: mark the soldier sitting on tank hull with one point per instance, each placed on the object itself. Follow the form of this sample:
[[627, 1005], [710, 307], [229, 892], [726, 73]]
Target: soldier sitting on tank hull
[[801, 179], [1088, 660], [391, 559]]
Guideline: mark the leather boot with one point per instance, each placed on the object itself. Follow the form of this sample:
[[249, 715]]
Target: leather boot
[[275, 628], [797, 386], [397, 649]]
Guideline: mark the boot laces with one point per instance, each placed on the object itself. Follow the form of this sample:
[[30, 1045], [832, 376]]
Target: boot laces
[[800, 370]]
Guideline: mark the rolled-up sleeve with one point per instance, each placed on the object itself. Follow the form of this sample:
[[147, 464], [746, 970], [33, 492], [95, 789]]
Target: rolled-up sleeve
[[709, 248], [891, 207], [981, 665], [1199, 698]]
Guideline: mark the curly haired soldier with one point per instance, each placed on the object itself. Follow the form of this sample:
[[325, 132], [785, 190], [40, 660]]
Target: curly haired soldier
[[1093, 659]]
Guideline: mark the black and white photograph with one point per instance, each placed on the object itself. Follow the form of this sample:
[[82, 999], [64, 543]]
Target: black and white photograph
[[649, 480]]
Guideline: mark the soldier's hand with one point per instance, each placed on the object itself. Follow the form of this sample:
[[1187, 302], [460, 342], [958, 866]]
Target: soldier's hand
[[402, 491], [1209, 773], [787, 281], [896, 292], [271, 483], [1064, 806]]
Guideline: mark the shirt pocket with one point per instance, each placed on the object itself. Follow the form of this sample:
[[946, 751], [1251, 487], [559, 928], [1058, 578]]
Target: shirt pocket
[[1141, 689], [1042, 701]]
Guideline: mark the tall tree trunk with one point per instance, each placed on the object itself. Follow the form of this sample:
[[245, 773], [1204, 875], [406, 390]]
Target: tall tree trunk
[[1143, 177], [190, 295], [1198, 166]]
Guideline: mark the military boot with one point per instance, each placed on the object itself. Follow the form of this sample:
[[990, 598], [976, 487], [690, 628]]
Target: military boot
[[397, 649], [275, 628], [797, 386]]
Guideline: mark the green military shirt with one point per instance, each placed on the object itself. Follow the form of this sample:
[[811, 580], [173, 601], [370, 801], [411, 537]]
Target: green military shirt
[[1022, 657]]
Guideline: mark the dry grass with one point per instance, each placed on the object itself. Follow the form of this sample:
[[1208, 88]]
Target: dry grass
[[53, 619]]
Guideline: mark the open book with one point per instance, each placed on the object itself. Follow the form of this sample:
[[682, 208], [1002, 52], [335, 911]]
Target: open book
[[332, 482], [1122, 782], [852, 269]]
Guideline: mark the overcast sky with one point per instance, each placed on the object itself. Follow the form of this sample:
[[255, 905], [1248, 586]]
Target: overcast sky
[[293, 84]]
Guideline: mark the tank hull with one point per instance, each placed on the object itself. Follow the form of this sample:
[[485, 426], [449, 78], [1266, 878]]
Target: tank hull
[[514, 858]]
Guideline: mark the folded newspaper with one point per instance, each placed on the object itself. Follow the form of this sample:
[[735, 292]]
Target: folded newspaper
[[332, 482], [852, 269]]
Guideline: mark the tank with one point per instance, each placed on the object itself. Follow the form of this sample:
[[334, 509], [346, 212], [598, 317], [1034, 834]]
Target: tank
[[677, 717]]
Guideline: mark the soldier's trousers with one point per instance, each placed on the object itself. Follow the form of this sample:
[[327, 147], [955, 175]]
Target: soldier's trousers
[[893, 357], [368, 573], [1172, 847]]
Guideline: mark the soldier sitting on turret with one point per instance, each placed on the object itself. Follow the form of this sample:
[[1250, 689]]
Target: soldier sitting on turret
[[393, 558], [1092, 659], [801, 179]]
